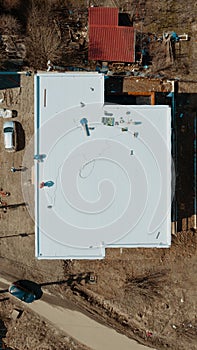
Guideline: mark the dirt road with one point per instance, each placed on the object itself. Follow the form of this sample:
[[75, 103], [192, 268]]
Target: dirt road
[[79, 326]]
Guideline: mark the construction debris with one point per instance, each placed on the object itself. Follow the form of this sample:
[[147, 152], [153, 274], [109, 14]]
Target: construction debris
[[16, 313]]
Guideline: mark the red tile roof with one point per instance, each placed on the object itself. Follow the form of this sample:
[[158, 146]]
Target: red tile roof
[[103, 16], [111, 43]]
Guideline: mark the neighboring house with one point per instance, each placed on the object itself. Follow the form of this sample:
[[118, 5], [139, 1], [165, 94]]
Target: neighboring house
[[107, 40]]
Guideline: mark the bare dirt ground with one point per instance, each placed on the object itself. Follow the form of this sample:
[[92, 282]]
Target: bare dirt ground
[[147, 294], [148, 291], [28, 331]]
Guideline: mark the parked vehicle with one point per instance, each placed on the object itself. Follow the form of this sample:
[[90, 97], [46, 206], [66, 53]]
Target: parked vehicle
[[5, 113], [22, 293], [9, 132]]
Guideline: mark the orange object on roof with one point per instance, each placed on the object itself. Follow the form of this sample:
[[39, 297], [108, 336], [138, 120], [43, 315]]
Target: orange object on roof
[[103, 16], [111, 43]]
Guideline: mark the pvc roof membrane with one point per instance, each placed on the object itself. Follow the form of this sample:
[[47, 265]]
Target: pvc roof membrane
[[108, 43], [102, 172], [103, 16]]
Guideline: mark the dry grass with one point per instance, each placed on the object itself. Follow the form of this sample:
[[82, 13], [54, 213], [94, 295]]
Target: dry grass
[[188, 329]]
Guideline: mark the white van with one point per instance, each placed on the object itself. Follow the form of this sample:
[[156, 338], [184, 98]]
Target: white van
[[9, 132]]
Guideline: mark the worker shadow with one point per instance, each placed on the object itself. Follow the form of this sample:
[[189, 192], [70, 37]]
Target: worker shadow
[[12, 206], [4, 299], [3, 291], [18, 235]]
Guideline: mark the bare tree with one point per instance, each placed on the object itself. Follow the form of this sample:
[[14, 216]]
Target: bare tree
[[3, 55], [9, 25], [148, 285], [10, 4], [43, 41]]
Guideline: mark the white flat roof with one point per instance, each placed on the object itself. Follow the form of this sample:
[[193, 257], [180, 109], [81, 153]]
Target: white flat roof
[[109, 189]]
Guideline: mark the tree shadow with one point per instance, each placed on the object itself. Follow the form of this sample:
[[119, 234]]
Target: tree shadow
[[3, 331], [72, 278], [9, 81], [21, 11]]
